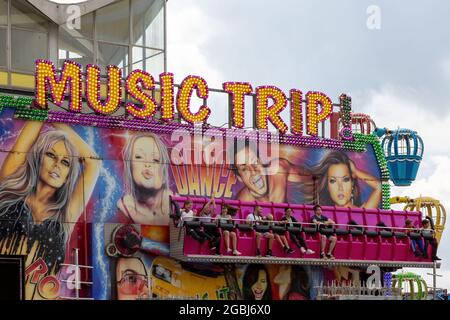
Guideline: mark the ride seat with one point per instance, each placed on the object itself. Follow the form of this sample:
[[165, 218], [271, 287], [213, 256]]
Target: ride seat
[[262, 228], [415, 235], [281, 230], [245, 227], [310, 229], [192, 224], [400, 235]]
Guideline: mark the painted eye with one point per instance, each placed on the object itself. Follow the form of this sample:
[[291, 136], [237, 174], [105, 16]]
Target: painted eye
[[138, 156], [50, 155], [156, 161], [346, 179], [66, 163], [332, 180]]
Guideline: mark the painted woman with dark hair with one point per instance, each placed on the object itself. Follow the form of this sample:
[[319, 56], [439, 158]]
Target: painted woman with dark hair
[[299, 286], [45, 182], [338, 182], [256, 283], [293, 283], [146, 163]]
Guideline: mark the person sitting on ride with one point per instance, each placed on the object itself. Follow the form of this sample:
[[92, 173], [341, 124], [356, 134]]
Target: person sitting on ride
[[428, 226], [298, 240], [225, 222], [210, 229], [416, 244], [256, 218], [321, 221], [188, 214], [280, 237]]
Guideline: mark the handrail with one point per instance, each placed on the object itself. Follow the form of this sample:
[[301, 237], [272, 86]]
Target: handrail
[[265, 222]]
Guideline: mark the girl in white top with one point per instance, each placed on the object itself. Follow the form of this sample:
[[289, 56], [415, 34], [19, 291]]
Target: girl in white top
[[227, 234]]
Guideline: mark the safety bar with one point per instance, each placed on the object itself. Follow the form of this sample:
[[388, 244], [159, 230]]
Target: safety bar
[[304, 223]]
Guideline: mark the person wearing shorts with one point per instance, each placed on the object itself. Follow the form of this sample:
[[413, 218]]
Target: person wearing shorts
[[322, 222], [256, 218]]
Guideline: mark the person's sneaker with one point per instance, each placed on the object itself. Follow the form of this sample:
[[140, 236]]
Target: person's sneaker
[[290, 250], [213, 248], [258, 253], [322, 256], [236, 253], [229, 250], [309, 251], [330, 256], [303, 250], [436, 258], [269, 253]]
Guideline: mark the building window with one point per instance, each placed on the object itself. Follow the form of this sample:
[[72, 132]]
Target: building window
[[3, 12], [112, 23], [29, 36], [112, 54], [76, 49], [23, 15], [23, 57], [148, 23]]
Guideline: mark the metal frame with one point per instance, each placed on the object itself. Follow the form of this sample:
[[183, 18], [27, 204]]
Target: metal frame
[[309, 262]]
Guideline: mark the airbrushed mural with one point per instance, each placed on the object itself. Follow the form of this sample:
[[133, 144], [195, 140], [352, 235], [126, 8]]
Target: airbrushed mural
[[64, 187]]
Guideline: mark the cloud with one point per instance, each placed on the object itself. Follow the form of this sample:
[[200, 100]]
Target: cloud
[[395, 107], [190, 29]]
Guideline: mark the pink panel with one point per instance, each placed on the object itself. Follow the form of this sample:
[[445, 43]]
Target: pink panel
[[191, 246], [343, 245], [357, 215], [357, 248], [402, 249], [371, 248], [341, 216], [371, 218], [386, 249], [386, 217], [399, 219]]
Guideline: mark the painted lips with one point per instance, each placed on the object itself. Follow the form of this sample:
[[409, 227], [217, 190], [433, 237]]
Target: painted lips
[[54, 175], [147, 174]]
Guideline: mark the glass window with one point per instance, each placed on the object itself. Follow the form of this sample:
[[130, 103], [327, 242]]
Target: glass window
[[148, 23], [3, 47], [76, 49], [112, 23], [154, 63], [3, 12], [149, 60], [36, 48], [112, 54], [23, 15], [86, 29]]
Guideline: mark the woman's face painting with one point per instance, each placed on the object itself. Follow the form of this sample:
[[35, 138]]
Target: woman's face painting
[[55, 165], [340, 185], [146, 167]]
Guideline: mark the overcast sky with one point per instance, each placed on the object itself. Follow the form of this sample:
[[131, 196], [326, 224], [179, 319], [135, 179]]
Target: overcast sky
[[399, 74]]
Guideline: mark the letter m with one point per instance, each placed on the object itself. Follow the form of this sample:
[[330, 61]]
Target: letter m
[[47, 79]]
